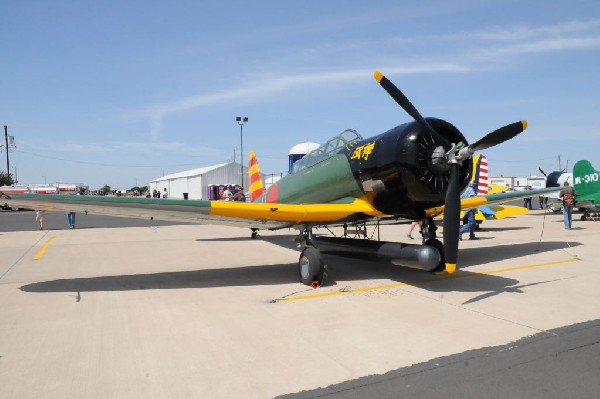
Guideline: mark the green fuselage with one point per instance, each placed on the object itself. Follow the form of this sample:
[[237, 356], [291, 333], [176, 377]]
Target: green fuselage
[[393, 171]]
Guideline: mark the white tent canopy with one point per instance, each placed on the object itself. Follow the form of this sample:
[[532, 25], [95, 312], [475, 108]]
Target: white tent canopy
[[195, 182]]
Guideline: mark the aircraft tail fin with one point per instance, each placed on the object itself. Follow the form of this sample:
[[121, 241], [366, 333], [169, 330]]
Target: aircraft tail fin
[[480, 174], [586, 178], [256, 184]]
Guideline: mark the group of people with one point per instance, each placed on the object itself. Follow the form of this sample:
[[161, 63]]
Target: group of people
[[527, 201], [39, 219], [469, 216], [567, 194], [157, 194], [568, 201], [228, 194]]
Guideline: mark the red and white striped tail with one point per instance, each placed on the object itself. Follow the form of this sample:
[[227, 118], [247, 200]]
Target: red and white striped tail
[[256, 184], [482, 177]]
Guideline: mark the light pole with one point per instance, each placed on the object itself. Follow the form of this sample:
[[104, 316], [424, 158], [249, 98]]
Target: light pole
[[241, 121]]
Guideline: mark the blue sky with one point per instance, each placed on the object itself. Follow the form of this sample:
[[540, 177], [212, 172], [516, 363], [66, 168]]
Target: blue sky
[[122, 92]]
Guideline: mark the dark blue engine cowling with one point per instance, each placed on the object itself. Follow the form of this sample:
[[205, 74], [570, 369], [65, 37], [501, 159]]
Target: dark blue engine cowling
[[552, 179], [401, 170]]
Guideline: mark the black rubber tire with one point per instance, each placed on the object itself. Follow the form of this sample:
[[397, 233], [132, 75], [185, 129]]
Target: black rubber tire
[[310, 266], [437, 244]]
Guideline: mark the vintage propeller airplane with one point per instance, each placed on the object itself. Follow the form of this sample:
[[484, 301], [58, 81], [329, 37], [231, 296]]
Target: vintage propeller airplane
[[587, 188], [414, 171]]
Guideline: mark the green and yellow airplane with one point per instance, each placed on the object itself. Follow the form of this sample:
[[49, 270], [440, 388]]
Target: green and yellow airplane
[[412, 172], [586, 182]]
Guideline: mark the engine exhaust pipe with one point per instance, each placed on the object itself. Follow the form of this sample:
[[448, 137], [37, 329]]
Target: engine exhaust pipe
[[423, 257]]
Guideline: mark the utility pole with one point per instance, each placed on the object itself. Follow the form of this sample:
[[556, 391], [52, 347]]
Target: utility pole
[[241, 121], [6, 139]]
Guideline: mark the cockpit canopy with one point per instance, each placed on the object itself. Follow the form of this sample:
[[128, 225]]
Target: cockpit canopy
[[330, 147]]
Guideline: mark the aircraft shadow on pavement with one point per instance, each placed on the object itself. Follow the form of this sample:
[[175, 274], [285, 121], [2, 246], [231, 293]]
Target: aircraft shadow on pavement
[[206, 278], [339, 269], [348, 270], [485, 285], [475, 256], [285, 240], [514, 289], [491, 228]]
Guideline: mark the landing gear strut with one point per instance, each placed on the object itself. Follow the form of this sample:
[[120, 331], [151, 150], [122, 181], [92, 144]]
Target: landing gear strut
[[428, 231], [311, 268]]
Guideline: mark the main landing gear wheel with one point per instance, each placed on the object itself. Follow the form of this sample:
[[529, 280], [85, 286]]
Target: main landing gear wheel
[[437, 244], [254, 233], [311, 266]]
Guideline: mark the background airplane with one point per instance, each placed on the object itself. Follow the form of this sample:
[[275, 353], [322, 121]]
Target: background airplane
[[556, 178], [587, 187], [414, 171], [480, 176]]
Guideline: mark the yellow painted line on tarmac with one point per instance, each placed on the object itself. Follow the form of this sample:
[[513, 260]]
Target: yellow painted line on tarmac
[[42, 251], [425, 281]]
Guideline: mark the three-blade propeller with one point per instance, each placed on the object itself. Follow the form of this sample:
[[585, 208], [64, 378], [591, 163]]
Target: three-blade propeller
[[455, 157]]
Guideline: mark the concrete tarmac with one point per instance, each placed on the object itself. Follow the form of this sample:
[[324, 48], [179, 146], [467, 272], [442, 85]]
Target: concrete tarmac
[[203, 311]]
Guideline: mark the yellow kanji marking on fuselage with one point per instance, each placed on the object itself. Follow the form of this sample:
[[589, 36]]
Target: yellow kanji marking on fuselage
[[363, 152], [357, 153], [368, 150]]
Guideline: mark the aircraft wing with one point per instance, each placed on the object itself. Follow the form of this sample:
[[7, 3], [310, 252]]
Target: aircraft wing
[[245, 214], [490, 199]]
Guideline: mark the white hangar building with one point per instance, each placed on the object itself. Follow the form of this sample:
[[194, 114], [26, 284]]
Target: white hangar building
[[197, 183]]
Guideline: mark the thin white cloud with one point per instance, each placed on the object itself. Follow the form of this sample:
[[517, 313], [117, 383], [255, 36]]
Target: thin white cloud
[[541, 46], [557, 133], [265, 88], [499, 42], [527, 32]]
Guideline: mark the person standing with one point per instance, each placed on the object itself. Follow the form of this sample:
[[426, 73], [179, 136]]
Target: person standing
[[239, 195], [527, 200], [39, 218], [71, 219], [165, 193], [469, 214], [568, 198], [227, 193], [412, 227]]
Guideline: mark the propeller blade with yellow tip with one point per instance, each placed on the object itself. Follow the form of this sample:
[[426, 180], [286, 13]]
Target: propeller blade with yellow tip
[[402, 100], [455, 157], [499, 136]]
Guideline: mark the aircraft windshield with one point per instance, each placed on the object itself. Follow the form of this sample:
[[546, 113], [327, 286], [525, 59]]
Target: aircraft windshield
[[332, 146]]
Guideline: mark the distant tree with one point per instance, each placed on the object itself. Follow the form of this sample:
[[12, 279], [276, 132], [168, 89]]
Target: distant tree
[[139, 190], [106, 189], [6, 179]]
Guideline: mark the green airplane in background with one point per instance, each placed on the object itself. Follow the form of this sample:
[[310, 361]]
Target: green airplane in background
[[587, 186]]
